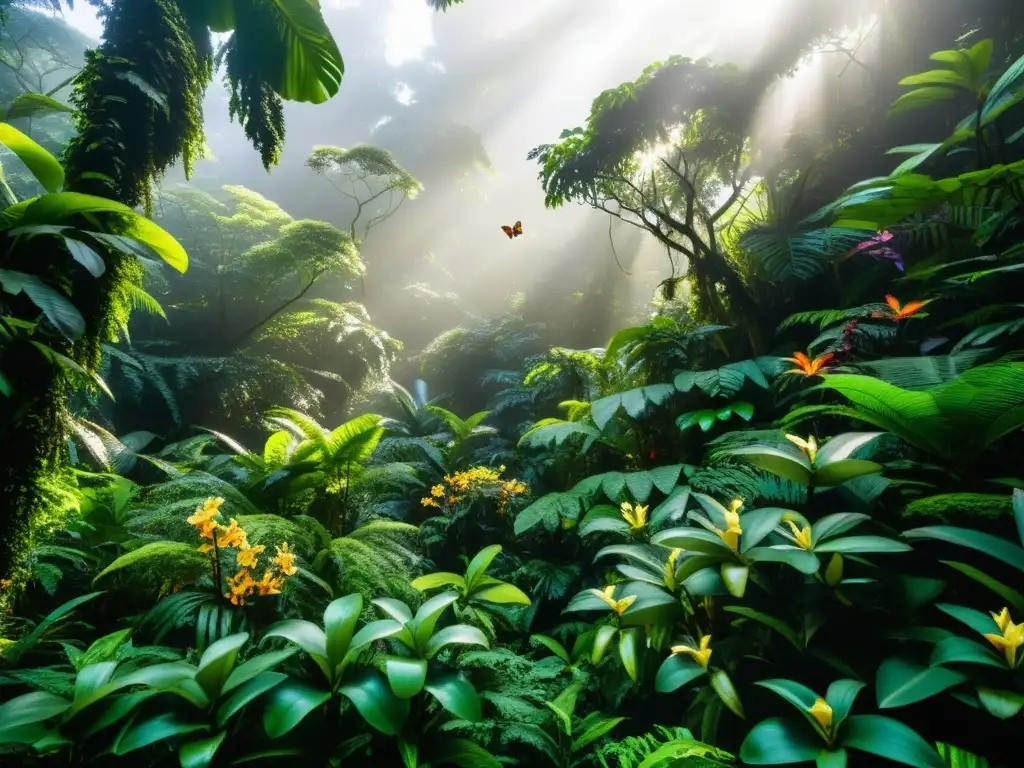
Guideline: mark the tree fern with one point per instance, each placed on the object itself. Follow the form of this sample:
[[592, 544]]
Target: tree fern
[[377, 559]]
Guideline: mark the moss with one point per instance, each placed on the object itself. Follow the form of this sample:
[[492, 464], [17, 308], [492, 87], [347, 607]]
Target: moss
[[961, 508]]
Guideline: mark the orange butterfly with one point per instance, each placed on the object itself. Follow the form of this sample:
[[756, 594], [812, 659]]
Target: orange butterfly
[[808, 367], [900, 312], [514, 231]]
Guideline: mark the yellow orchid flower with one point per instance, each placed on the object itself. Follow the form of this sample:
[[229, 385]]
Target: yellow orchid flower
[[635, 516], [285, 560], [1010, 640], [232, 535], [203, 517], [808, 446], [701, 655], [269, 585], [606, 595], [822, 714], [247, 556], [802, 536]]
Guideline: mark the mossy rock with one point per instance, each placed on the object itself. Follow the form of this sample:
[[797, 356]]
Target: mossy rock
[[961, 508]]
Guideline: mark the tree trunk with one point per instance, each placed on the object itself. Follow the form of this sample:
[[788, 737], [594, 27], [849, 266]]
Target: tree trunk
[[126, 138]]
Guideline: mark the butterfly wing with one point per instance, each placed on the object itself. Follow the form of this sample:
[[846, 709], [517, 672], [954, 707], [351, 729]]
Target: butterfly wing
[[517, 230], [508, 231]]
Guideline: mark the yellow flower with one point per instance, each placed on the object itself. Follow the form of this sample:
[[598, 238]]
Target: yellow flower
[[619, 606], [808, 446], [437, 490], [731, 534], [426, 501], [635, 516], [1010, 640], [802, 536], [285, 560], [269, 585], [203, 517], [232, 535], [239, 586], [822, 714], [701, 655], [670, 568], [247, 556]]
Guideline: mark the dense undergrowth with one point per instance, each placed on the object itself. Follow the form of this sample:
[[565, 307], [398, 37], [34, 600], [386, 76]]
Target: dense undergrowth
[[721, 544]]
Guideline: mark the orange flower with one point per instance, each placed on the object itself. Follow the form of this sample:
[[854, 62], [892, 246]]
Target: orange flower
[[900, 312], [808, 367], [247, 556], [268, 585], [285, 560], [232, 535], [239, 587]]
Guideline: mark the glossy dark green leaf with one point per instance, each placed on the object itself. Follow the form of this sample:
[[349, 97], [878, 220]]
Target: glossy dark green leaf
[[986, 543], [456, 634], [960, 650], [891, 739], [980, 622], [217, 661], [675, 672], [159, 728], [840, 696], [723, 686], [406, 676], [900, 682], [31, 708], [288, 704], [479, 564], [246, 693], [340, 620], [1000, 702], [778, 461], [455, 693], [780, 742], [257, 665], [841, 471], [200, 753], [862, 545], [757, 524], [371, 695], [630, 644], [800, 559], [834, 525]]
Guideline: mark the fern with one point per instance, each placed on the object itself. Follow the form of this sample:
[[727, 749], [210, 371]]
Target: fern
[[377, 559]]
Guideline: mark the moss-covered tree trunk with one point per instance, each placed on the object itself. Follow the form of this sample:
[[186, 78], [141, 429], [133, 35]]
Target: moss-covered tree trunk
[[139, 99]]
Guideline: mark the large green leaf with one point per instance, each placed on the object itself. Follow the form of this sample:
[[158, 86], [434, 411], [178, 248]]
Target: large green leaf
[[30, 708], [32, 104], [288, 704], [986, 543], [406, 676], [44, 166], [155, 729], [340, 620], [634, 402], [57, 308], [456, 694], [457, 634], [891, 739], [60, 206], [372, 697], [246, 693], [217, 661], [200, 753], [288, 43], [900, 682], [780, 742]]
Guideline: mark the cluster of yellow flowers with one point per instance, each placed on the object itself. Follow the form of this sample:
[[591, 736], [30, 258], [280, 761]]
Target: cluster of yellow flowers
[[218, 536], [456, 487]]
